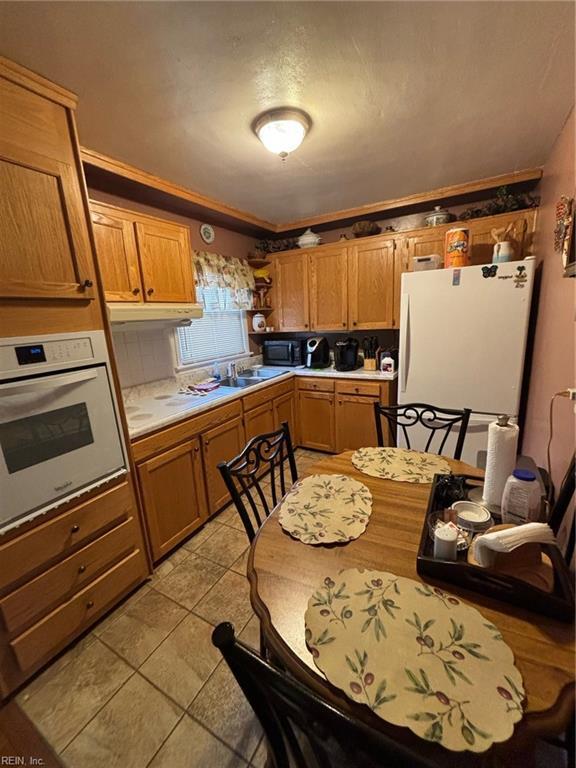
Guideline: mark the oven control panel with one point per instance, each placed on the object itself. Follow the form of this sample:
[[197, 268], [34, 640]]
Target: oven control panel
[[27, 355]]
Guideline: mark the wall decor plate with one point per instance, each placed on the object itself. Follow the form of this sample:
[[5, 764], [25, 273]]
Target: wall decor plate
[[207, 233], [324, 509], [417, 656], [400, 464]]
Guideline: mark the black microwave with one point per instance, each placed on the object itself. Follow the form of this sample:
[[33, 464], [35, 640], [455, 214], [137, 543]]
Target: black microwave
[[287, 352]]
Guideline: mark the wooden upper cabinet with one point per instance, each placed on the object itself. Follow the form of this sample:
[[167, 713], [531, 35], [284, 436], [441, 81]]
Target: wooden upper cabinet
[[371, 285], [117, 254], [291, 290], [142, 258], [45, 250], [166, 261], [481, 240], [328, 289], [427, 243]]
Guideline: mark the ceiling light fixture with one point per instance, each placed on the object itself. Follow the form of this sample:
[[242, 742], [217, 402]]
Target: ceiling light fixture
[[282, 130]]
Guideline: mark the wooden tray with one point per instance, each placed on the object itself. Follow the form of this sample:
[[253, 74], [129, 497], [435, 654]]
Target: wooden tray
[[558, 603]]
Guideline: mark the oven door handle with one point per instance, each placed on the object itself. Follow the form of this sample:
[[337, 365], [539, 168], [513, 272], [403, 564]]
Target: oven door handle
[[48, 382]]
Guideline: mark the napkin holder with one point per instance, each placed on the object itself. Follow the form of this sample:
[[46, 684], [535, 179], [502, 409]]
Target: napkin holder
[[551, 594]]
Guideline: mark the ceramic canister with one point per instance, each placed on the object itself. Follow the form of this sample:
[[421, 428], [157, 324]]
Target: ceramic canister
[[259, 322], [456, 247]]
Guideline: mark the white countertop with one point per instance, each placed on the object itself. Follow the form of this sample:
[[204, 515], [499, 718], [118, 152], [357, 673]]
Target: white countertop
[[149, 413]]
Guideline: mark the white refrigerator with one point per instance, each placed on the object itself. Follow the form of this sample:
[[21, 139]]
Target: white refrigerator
[[462, 344]]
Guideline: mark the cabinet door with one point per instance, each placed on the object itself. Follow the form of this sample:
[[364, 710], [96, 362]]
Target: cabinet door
[[291, 292], [371, 285], [173, 494], [402, 263], [117, 255], [166, 262], [482, 242], [284, 410], [429, 243], [45, 250], [258, 421], [328, 290], [355, 422], [220, 444], [316, 411]]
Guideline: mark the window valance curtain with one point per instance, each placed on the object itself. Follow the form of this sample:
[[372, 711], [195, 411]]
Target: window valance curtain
[[223, 282]]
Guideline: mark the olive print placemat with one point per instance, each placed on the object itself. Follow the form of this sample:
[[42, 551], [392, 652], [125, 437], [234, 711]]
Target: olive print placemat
[[417, 656], [323, 509], [400, 464]]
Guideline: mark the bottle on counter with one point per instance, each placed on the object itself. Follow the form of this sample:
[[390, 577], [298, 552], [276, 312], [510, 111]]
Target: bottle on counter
[[387, 364], [521, 500]]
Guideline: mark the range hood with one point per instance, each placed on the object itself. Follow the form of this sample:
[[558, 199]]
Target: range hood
[[173, 314]]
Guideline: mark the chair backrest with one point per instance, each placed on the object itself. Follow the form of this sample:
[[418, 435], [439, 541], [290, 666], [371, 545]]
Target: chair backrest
[[438, 421], [256, 478], [562, 517], [303, 730]]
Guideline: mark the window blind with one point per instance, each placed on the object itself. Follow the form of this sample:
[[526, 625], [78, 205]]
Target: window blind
[[213, 336]]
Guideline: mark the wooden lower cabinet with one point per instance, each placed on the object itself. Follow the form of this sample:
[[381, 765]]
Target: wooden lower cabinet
[[221, 443], [355, 422], [60, 576], [259, 420], [173, 495], [285, 410], [316, 417]]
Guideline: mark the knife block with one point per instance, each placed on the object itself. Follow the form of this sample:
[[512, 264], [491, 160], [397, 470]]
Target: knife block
[[369, 364]]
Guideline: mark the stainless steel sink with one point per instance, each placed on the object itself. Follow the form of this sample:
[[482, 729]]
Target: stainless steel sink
[[240, 382], [257, 373]]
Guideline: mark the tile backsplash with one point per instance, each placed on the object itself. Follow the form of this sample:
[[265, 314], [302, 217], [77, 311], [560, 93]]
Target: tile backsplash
[[143, 355]]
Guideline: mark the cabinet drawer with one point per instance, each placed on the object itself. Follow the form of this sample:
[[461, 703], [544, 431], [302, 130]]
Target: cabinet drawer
[[62, 581], [58, 537], [52, 633], [316, 385], [168, 438], [267, 394], [355, 387]]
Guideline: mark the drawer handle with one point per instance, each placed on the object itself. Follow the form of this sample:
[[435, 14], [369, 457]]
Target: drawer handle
[[87, 284], [354, 322], [135, 291], [356, 389], [150, 291], [81, 569], [75, 528], [90, 604], [305, 325], [196, 449]]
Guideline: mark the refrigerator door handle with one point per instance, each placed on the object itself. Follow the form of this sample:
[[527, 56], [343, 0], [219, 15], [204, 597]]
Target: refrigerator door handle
[[404, 339]]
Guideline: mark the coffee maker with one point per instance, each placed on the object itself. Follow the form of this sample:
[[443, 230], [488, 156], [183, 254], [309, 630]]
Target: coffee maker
[[317, 352], [346, 354]]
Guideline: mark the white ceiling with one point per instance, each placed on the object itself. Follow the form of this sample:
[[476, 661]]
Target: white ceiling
[[404, 96]]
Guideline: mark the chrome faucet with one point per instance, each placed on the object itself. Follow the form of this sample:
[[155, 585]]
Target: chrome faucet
[[232, 372]]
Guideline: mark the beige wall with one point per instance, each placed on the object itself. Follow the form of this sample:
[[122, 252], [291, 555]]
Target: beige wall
[[553, 364], [226, 242]]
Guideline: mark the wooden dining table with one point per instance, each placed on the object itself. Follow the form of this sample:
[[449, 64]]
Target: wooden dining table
[[283, 573]]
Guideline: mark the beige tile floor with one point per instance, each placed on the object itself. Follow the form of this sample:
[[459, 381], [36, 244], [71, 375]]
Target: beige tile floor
[[146, 687]]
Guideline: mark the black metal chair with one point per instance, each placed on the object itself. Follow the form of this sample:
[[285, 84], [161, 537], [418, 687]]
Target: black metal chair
[[303, 730], [562, 507], [264, 458], [436, 420]]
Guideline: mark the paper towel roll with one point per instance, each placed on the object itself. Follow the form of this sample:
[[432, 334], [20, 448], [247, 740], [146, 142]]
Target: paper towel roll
[[500, 458]]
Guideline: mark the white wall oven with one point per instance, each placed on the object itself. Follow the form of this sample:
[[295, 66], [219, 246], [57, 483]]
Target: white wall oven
[[60, 434]]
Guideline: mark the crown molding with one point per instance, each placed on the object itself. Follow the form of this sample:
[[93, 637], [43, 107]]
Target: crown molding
[[114, 176]]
